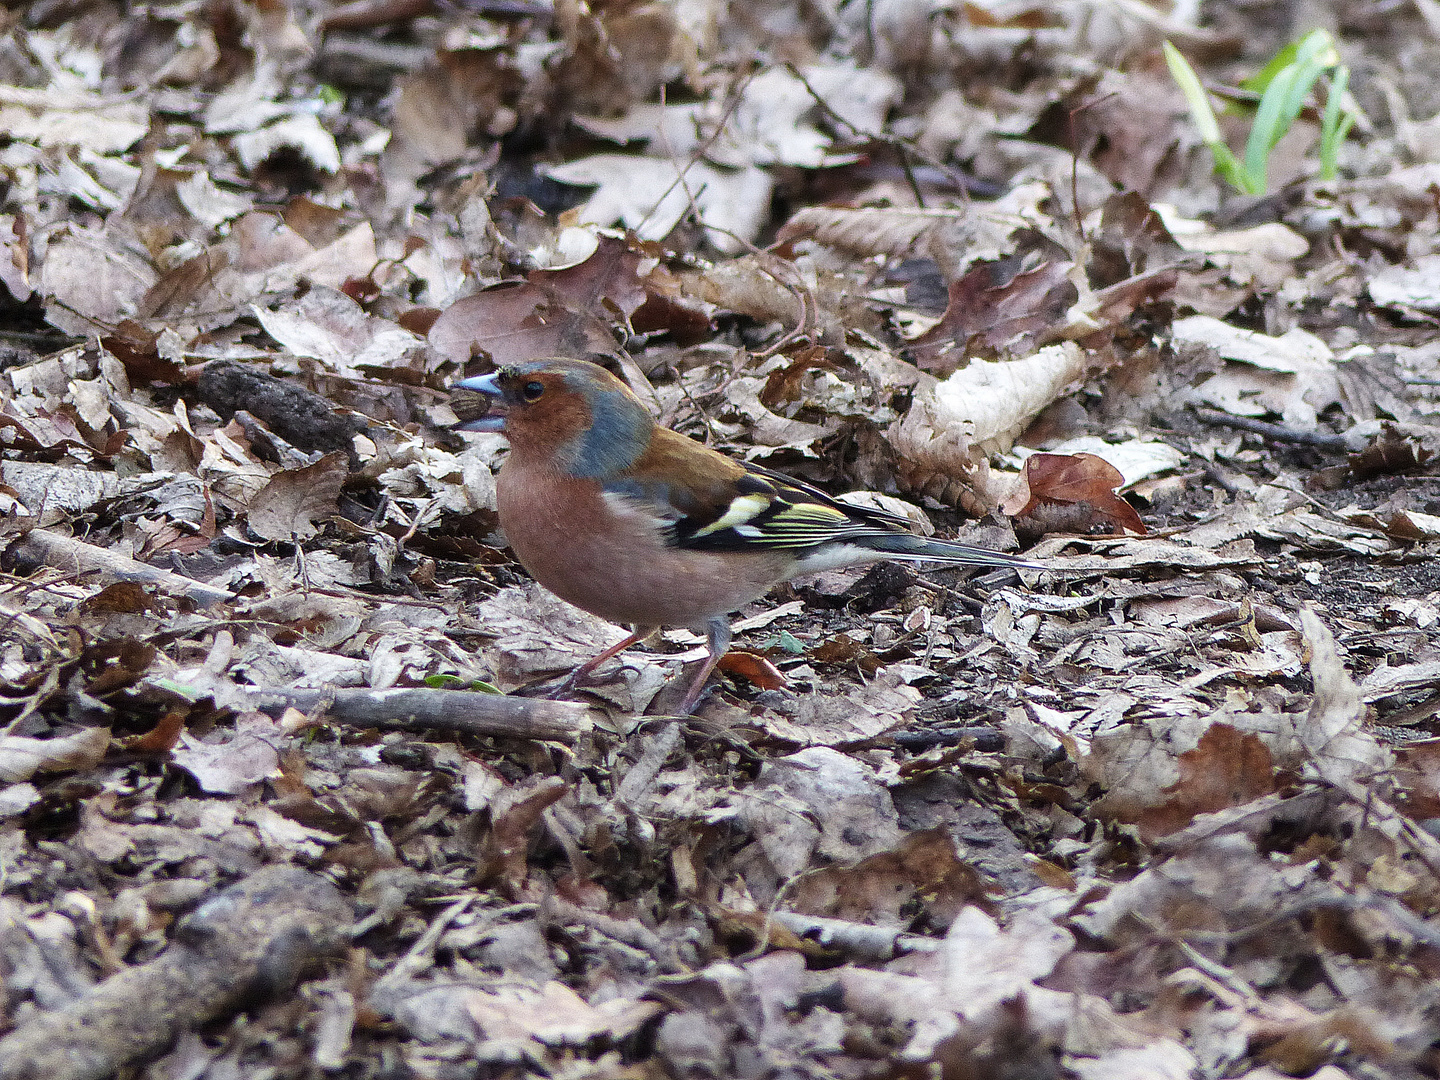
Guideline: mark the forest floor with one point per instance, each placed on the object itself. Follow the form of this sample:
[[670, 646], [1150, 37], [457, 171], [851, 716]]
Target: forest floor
[[283, 794]]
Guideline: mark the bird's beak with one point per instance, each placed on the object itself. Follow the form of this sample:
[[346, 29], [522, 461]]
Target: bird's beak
[[492, 420]]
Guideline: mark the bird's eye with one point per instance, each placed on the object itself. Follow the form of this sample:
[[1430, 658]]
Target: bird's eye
[[531, 391]]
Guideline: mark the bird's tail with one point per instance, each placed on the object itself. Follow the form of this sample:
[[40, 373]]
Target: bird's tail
[[906, 546]]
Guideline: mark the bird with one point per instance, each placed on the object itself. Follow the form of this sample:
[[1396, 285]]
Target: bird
[[641, 525]]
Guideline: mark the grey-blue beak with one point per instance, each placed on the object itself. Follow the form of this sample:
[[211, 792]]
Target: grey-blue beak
[[482, 384]]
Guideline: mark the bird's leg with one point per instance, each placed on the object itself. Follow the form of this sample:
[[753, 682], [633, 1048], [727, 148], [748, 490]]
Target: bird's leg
[[584, 671], [717, 637]]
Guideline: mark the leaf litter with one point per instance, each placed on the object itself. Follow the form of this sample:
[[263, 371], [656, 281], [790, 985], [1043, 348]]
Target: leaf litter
[[1164, 808]]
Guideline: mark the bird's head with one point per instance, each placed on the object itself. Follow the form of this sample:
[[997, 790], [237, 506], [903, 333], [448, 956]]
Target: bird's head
[[571, 413]]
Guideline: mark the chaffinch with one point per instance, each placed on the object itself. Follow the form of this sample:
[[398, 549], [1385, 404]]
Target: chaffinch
[[638, 524]]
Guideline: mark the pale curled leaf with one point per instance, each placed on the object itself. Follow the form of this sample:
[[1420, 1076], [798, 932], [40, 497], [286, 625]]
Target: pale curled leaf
[[954, 238], [209, 203], [1294, 353], [331, 327], [58, 117], [227, 763], [300, 132], [554, 1015], [651, 195], [984, 964], [15, 257], [1416, 285], [1294, 374], [1385, 680], [752, 285], [43, 486], [955, 425], [1398, 524], [22, 757], [1333, 732], [1162, 1059], [822, 719], [768, 125]]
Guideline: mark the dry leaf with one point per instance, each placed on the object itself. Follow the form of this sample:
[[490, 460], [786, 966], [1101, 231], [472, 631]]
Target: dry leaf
[[994, 311], [651, 195], [22, 757], [952, 428], [293, 500], [1083, 485]]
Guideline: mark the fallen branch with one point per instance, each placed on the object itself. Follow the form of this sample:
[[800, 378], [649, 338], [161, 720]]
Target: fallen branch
[[1277, 432], [430, 710], [45, 548], [251, 939]]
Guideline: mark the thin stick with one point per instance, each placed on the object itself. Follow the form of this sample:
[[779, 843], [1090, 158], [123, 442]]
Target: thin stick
[[69, 554], [465, 711], [1273, 431]]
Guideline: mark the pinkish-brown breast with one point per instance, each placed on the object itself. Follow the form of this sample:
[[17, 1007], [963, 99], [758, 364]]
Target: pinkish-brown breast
[[609, 557]]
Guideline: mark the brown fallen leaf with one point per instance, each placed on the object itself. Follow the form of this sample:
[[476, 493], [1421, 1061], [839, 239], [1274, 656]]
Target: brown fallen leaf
[[517, 321], [843, 649], [923, 870], [115, 664], [608, 279], [513, 813], [1389, 453], [118, 597], [159, 739], [995, 310], [288, 506], [173, 536], [562, 312], [1081, 483], [1228, 768], [138, 349], [753, 668]]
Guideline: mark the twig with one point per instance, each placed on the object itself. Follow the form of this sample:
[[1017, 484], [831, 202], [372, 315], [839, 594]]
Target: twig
[[1407, 920], [1278, 432], [251, 939], [1217, 476], [987, 740], [67, 553], [905, 149], [39, 340], [422, 954], [700, 150], [425, 710]]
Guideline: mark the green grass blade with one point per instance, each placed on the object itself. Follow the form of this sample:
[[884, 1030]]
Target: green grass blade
[[1315, 55], [1195, 96], [1203, 116], [1284, 86], [1260, 81], [1267, 129], [1230, 167], [1335, 124]]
